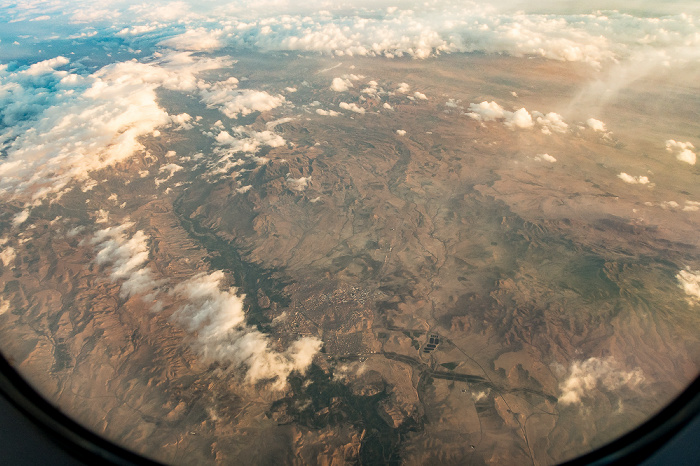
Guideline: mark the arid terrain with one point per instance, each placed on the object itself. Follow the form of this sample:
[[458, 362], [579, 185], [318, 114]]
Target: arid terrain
[[551, 282]]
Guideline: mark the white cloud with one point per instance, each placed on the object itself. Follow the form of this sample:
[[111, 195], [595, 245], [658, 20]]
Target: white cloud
[[689, 281], [401, 132], [233, 102], [341, 85], [352, 107], [127, 257], [75, 231], [83, 123], [633, 179], [598, 38], [519, 119], [682, 150], [596, 374], [372, 88], [298, 184], [46, 67], [7, 256], [420, 96], [546, 158], [166, 11], [486, 111], [214, 317], [551, 122], [670, 205], [418, 30], [171, 168], [90, 15], [140, 29], [217, 318], [327, 112], [182, 121], [102, 216], [196, 40], [595, 125], [20, 217], [387, 106], [691, 206], [244, 141], [403, 88], [275, 123], [353, 77], [250, 141], [267, 138]]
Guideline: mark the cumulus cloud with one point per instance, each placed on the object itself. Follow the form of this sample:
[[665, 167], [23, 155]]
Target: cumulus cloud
[[596, 374], [551, 122], [341, 85], [691, 206], [217, 318], [7, 256], [140, 29], [595, 125], [519, 119], [20, 217], [343, 372], [353, 77], [243, 141], [633, 179], [298, 184], [372, 88], [234, 102], [452, 103], [689, 281], [127, 257], [401, 132], [182, 121], [546, 158], [352, 107], [196, 40], [171, 169], [214, 317], [322, 112], [418, 30], [62, 126], [168, 11], [403, 88], [424, 30], [420, 96], [682, 150], [246, 140], [486, 111]]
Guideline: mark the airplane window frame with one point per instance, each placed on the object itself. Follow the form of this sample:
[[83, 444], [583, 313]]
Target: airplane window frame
[[85, 445]]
